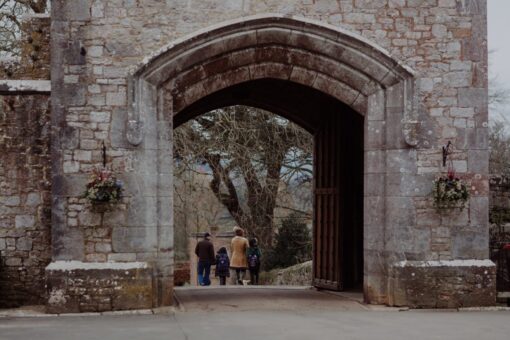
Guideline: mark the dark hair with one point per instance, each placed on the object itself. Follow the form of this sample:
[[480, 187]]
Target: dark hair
[[253, 242], [239, 232], [222, 250]]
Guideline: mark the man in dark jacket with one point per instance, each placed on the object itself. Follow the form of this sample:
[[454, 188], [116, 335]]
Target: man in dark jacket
[[206, 257]]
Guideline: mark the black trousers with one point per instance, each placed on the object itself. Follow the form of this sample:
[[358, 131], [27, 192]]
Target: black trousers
[[240, 275], [254, 275], [223, 280]]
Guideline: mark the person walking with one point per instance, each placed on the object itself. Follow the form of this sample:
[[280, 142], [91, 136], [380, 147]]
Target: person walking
[[254, 255], [205, 252], [238, 246], [222, 266]]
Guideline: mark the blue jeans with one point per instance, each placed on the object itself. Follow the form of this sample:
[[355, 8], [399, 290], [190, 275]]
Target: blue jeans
[[204, 270]]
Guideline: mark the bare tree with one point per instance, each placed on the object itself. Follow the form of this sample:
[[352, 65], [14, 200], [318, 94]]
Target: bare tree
[[10, 24], [499, 144], [499, 95], [248, 152]]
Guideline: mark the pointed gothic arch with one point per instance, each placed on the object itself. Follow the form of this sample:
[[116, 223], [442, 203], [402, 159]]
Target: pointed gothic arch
[[321, 57]]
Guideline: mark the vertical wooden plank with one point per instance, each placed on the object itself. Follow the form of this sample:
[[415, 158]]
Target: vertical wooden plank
[[331, 186], [318, 206], [314, 205], [325, 179], [338, 200]]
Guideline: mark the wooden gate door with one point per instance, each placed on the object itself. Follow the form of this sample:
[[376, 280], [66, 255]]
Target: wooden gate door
[[338, 200]]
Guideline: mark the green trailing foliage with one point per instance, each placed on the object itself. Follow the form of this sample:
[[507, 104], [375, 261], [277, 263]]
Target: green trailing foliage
[[450, 192], [103, 187]]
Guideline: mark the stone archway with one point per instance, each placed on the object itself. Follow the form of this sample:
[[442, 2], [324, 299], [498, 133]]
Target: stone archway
[[325, 58]]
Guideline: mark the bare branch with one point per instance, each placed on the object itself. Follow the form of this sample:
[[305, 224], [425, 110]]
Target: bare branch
[[249, 154]]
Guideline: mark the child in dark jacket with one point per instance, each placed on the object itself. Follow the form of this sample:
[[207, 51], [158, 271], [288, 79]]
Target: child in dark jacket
[[222, 265], [253, 254]]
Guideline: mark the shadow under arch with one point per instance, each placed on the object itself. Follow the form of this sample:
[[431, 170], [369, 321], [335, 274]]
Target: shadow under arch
[[298, 103], [305, 53]]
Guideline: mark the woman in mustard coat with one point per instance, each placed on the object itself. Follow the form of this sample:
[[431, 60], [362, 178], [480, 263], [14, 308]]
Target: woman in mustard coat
[[238, 261]]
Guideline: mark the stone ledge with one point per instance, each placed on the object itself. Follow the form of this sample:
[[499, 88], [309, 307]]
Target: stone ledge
[[24, 86], [78, 287], [443, 284], [79, 265], [450, 263], [29, 313], [29, 16]]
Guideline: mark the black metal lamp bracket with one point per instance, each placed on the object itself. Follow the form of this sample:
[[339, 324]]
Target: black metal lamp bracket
[[446, 152]]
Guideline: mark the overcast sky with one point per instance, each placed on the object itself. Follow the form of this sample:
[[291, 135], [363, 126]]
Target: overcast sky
[[499, 42]]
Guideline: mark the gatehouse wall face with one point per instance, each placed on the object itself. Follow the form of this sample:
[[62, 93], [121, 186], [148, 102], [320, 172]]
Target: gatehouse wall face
[[413, 255]]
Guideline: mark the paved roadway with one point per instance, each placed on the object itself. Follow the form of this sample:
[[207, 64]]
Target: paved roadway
[[211, 314]]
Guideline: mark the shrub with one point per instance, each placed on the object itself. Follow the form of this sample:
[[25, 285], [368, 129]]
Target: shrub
[[293, 244]]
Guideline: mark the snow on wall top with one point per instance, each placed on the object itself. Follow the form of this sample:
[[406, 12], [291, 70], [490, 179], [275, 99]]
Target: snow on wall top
[[78, 265]]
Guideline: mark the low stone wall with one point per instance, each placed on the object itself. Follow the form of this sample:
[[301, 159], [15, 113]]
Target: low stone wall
[[297, 275], [75, 287], [181, 273], [443, 284]]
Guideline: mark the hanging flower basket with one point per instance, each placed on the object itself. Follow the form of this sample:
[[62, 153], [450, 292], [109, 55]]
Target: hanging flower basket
[[450, 192], [103, 187]]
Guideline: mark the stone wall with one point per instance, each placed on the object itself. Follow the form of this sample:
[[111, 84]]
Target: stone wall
[[25, 199], [182, 273], [25, 169]]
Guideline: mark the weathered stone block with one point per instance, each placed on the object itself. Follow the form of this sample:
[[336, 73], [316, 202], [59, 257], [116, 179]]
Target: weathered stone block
[[374, 210], [24, 243], [401, 161], [478, 161], [443, 284], [78, 10], [470, 244], [473, 97], [75, 286], [89, 218], [103, 247], [134, 239], [400, 211], [24, 221], [33, 199], [13, 262], [375, 161], [122, 257]]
